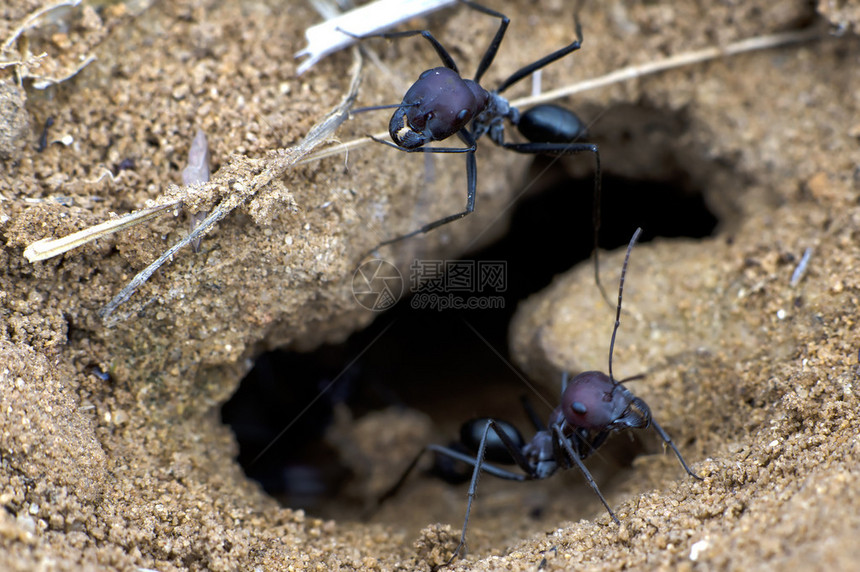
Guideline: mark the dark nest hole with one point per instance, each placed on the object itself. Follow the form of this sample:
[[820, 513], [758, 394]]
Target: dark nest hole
[[442, 363]]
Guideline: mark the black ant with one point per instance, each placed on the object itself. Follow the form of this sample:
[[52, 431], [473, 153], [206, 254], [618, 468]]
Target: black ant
[[441, 104], [593, 406]]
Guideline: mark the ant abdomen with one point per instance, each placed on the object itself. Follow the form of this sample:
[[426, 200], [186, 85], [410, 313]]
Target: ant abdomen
[[456, 471], [496, 451], [551, 124]]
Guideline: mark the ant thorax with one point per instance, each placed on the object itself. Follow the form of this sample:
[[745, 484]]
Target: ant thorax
[[540, 454], [491, 119]]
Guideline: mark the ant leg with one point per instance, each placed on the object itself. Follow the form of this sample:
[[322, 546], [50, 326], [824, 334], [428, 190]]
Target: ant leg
[[427, 149], [490, 54], [471, 178], [533, 67], [546, 60], [572, 149], [592, 445], [485, 467], [378, 107], [396, 487], [668, 441], [532, 414], [446, 58], [574, 456], [479, 466], [454, 454]]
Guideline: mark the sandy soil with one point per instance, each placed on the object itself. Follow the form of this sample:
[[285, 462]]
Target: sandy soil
[[111, 450]]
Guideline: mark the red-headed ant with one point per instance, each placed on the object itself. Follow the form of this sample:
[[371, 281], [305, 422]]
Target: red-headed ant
[[441, 104], [594, 405]]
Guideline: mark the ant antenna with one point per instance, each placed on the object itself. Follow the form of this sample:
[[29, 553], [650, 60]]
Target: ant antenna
[[620, 291], [577, 24], [565, 379], [378, 107]]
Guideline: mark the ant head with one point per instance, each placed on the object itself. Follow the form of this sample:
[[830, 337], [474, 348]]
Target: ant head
[[438, 105], [594, 401], [591, 401]]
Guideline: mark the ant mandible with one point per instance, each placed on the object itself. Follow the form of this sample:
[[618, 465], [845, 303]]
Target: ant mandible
[[594, 405], [441, 104]]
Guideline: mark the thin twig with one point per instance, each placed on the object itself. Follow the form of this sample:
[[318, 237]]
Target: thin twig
[[44, 82], [48, 248], [274, 168], [30, 21], [676, 61], [30, 60], [144, 275], [800, 270]]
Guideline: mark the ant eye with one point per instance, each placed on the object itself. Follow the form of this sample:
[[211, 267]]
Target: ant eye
[[462, 115], [579, 408]]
